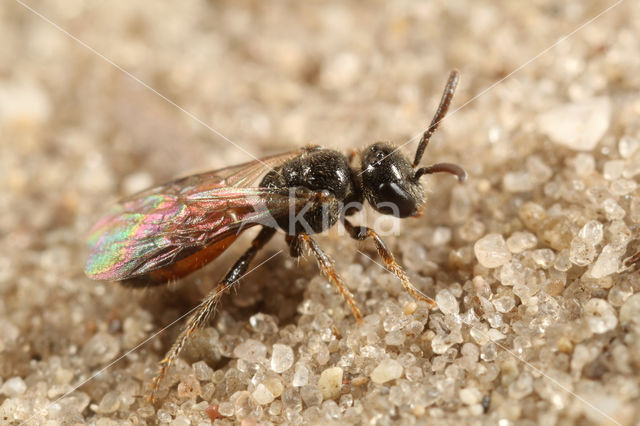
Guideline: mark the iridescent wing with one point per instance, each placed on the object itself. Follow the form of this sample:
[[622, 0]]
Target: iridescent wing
[[169, 231], [243, 175]]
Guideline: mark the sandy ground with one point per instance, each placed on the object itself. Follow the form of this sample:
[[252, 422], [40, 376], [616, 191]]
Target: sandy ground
[[537, 318]]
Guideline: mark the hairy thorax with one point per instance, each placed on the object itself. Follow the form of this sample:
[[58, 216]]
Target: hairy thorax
[[328, 175]]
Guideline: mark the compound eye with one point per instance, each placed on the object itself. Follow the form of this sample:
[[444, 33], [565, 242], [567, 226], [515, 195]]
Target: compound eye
[[394, 200]]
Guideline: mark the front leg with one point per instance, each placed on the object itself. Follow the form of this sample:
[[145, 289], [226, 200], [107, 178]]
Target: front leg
[[361, 233]]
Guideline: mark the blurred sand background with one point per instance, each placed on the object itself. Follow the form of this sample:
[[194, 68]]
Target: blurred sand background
[[552, 153]]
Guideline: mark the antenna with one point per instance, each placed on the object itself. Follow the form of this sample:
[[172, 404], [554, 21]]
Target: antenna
[[445, 101]]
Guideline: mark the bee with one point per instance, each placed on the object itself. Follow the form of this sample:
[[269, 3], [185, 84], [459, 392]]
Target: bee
[[165, 233]]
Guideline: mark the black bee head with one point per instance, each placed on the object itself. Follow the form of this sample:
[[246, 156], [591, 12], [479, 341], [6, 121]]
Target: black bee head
[[389, 181]]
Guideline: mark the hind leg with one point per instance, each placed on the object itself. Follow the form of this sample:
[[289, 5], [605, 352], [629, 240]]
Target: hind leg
[[204, 310]]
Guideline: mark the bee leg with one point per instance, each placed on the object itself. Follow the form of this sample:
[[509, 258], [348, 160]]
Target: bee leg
[[361, 233], [208, 305], [633, 259], [352, 156], [295, 246], [325, 263]]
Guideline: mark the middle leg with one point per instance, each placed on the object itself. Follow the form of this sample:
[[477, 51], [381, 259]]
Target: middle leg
[[326, 266]]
